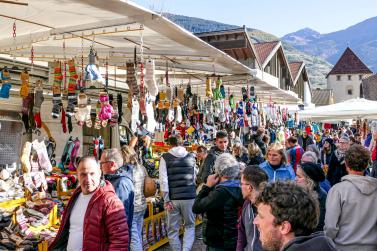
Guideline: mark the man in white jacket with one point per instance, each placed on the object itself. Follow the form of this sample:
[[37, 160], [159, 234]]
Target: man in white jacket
[[177, 172], [351, 215]]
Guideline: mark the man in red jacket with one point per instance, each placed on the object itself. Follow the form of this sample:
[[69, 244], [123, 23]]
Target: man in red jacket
[[94, 218]]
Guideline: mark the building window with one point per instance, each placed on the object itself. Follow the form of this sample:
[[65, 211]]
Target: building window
[[338, 77], [360, 77], [349, 77], [349, 91]]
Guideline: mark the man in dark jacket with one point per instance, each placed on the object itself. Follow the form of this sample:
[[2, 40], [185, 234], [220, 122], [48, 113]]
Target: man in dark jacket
[[177, 181], [287, 217], [305, 140], [220, 200], [214, 152], [94, 218], [248, 235], [120, 178]]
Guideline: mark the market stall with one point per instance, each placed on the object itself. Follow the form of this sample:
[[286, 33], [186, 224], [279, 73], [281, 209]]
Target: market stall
[[358, 108], [109, 64]]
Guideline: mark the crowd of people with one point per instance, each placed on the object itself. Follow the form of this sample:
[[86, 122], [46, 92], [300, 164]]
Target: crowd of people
[[310, 192]]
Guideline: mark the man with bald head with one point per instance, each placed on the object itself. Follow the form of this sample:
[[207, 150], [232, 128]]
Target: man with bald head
[[94, 218]]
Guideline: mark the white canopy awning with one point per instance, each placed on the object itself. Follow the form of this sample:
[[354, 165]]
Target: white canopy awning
[[59, 29], [358, 108]]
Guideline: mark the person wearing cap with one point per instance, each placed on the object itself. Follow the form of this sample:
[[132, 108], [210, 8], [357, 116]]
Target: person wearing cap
[[310, 175], [305, 140], [351, 215], [220, 200], [337, 167]]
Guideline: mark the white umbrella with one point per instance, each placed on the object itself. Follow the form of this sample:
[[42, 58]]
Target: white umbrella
[[357, 108]]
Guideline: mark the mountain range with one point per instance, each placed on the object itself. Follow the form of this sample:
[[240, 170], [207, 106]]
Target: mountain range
[[316, 66], [361, 38]]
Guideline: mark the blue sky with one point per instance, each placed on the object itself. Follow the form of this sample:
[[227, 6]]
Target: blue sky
[[278, 17]]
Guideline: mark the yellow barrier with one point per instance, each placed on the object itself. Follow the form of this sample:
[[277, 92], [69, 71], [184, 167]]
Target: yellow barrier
[[157, 218], [12, 203]]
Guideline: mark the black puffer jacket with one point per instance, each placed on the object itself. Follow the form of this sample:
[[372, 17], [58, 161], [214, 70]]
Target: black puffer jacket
[[207, 167], [221, 206]]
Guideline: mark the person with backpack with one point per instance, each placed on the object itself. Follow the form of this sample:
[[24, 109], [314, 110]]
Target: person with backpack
[[294, 152]]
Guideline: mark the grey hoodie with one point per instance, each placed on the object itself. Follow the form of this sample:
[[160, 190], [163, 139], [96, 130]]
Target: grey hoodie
[[351, 215]]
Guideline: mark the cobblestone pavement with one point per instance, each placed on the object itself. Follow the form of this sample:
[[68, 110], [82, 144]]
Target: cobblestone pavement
[[198, 244]]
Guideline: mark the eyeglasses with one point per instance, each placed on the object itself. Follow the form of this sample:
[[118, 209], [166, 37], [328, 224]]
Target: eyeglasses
[[245, 184], [102, 163]]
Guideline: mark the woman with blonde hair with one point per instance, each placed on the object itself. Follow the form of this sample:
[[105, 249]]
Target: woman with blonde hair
[[130, 158], [255, 154], [276, 165]]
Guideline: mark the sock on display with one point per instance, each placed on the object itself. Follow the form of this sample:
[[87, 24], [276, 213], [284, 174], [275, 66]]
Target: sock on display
[[150, 78], [4, 91], [63, 121], [120, 106], [25, 86], [181, 94], [97, 122], [115, 114], [188, 90], [25, 157], [38, 100], [131, 79], [5, 87], [69, 123], [134, 115], [56, 91], [43, 159], [151, 122], [82, 114], [209, 93], [222, 90], [72, 85], [25, 111]]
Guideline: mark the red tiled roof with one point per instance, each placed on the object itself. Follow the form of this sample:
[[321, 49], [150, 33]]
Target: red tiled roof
[[264, 49], [322, 97], [349, 63], [295, 68], [369, 87]]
